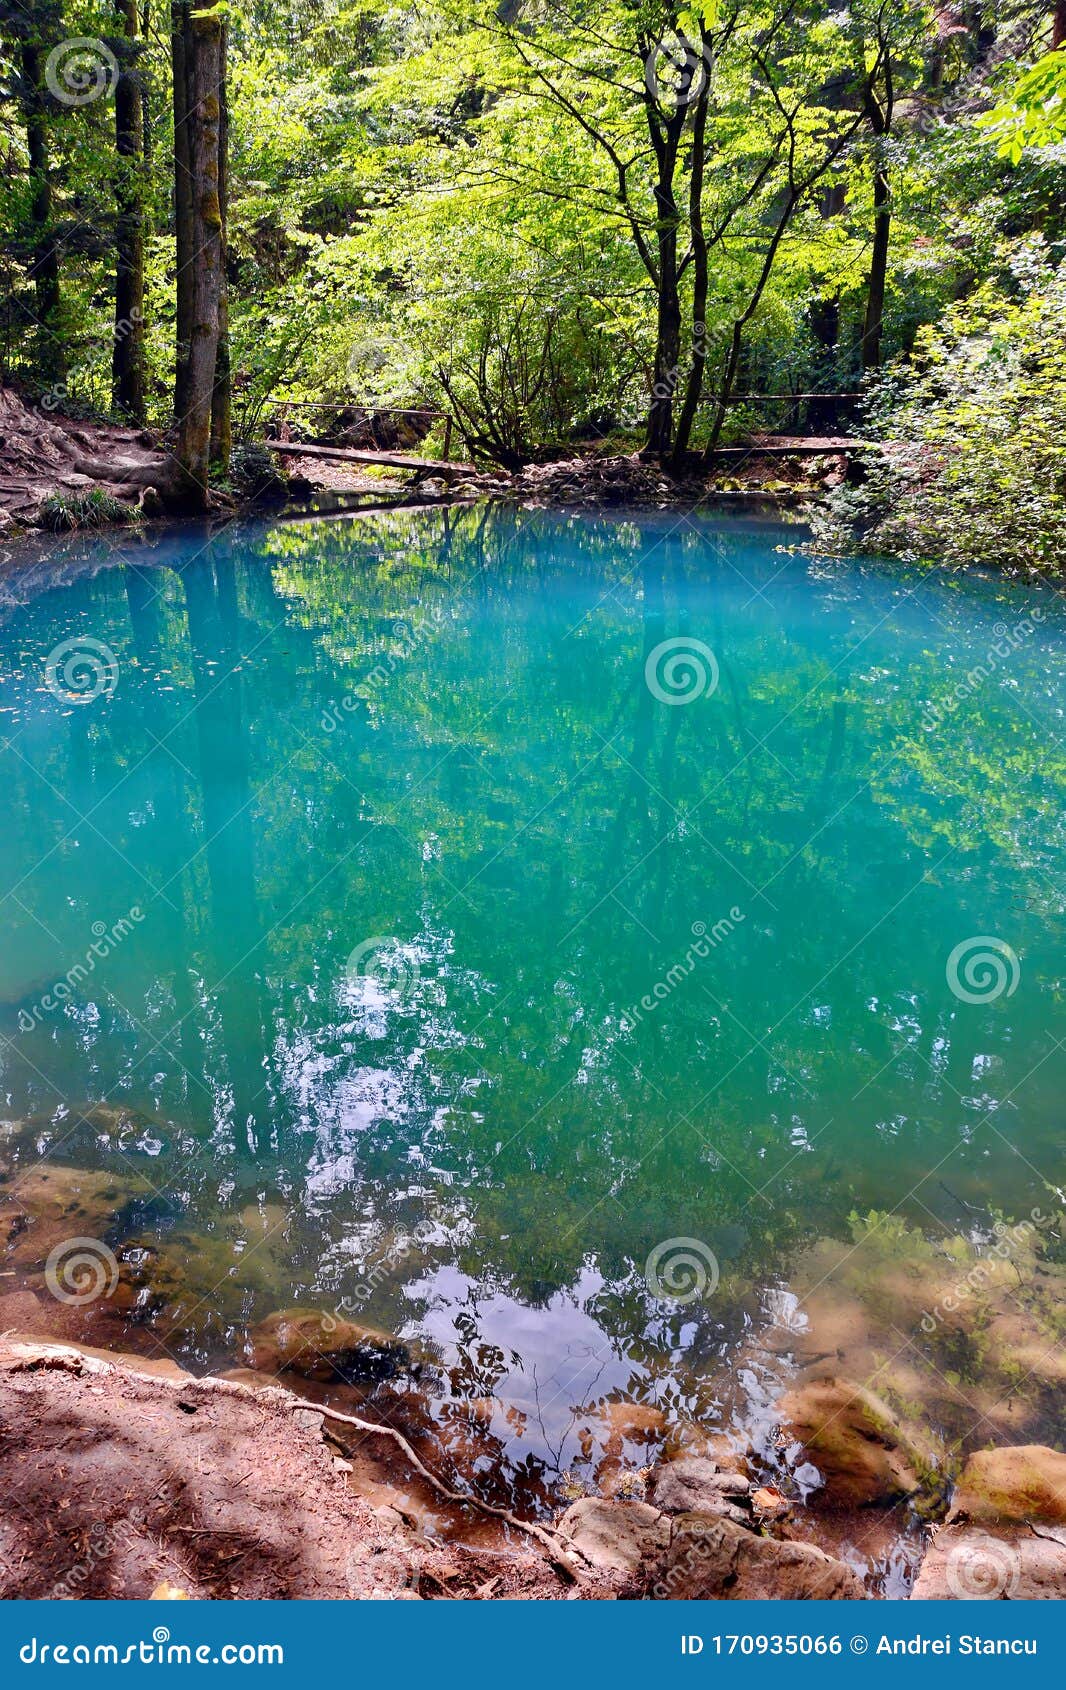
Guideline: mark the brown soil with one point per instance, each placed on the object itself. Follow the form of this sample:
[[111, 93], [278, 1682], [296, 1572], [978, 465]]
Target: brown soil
[[602, 481], [44, 453], [116, 1481]]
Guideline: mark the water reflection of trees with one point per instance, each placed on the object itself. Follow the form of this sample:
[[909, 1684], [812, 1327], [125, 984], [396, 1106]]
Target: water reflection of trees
[[436, 727]]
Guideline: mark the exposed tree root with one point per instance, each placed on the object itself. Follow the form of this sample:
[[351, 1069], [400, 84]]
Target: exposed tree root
[[562, 1554]]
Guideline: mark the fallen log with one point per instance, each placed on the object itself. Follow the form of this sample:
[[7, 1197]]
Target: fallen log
[[784, 446], [356, 455]]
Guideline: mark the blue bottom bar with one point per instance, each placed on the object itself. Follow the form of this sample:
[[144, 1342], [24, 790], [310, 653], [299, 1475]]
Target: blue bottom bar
[[535, 1644]]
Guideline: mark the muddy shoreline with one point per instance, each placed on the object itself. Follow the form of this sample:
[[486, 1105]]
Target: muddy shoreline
[[52, 468]]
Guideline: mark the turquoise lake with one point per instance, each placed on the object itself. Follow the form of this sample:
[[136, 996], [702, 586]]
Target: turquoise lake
[[490, 900]]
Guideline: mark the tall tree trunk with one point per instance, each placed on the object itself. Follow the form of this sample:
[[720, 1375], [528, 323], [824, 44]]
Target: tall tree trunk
[[660, 429], [179, 18], [199, 76], [146, 104], [45, 266], [700, 273], [665, 129], [875, 287], [824, 406], [736, 339], [127, 365], [221, 398], [879, 115], [824, 314]]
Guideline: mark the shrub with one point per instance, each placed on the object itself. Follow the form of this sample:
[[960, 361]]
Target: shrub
[[973, 425], [254, 472], [65, 513]]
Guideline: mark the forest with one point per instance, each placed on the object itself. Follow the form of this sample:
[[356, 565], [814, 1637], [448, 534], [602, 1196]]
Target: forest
[[557, 228]]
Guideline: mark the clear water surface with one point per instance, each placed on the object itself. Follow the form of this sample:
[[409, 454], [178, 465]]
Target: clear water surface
[[468, 968]]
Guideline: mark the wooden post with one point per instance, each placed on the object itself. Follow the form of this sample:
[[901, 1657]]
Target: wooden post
[[447, 435]]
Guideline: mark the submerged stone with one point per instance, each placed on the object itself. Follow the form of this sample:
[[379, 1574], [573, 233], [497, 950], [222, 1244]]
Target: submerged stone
[[695, 1484], [854, 1440], [322, 1346], [616, 1537]]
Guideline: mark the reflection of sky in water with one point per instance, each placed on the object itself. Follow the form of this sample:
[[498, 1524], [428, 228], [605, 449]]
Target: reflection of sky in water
[[414, 840]]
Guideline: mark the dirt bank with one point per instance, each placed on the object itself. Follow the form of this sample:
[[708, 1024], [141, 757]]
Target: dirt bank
[[46, 456], [120, 1476], [843, 1422], [58, 471], [125, 1478], [602, 481]]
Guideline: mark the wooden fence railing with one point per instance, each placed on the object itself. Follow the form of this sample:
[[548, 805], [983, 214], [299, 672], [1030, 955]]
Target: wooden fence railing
[[370, 412]]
